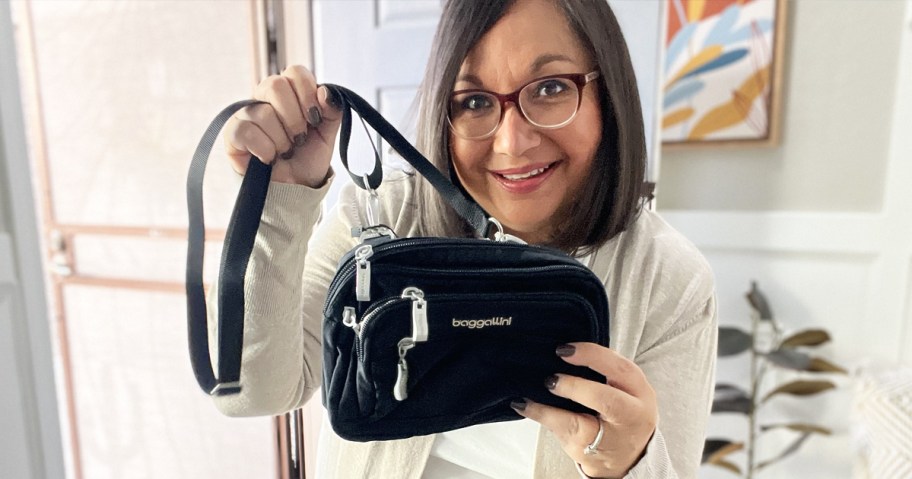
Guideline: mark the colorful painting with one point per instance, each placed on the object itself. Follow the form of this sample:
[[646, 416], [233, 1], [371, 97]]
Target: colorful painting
[[722, 65]]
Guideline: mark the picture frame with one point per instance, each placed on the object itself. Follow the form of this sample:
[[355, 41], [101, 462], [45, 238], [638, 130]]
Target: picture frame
[[722, 73]]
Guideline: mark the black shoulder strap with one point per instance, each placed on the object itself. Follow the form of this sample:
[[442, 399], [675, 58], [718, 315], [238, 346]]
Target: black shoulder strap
[[245, 220], [349, 100]]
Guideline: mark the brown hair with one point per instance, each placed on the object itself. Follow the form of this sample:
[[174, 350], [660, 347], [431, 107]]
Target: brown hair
[[611, 199]]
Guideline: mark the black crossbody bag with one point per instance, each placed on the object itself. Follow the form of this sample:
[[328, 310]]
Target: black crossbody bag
[[420, 335]]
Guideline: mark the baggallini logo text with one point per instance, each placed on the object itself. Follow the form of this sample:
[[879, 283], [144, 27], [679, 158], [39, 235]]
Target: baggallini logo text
[[482, 323]]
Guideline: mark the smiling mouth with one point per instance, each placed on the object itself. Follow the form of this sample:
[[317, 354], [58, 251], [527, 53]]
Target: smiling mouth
[[528, 174]]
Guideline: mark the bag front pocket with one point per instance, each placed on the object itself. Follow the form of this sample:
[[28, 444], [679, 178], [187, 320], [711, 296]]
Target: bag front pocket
[[476, 352]]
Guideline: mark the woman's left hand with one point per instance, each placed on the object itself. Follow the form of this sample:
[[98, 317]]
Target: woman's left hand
[[626, 405]]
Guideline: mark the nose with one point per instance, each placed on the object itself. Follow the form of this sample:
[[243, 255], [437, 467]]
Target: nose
[[515, 136]]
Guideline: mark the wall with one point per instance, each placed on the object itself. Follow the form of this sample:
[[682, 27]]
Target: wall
[[839, 79], [823, 222], [4, 201]]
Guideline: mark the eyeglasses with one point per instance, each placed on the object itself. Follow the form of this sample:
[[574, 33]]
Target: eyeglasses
[[549, 102]]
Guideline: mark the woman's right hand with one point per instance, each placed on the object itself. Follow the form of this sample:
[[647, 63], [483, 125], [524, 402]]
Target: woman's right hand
[[295, 131]]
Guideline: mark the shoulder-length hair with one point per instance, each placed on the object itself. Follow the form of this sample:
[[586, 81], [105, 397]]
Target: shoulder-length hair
[[611, 199]]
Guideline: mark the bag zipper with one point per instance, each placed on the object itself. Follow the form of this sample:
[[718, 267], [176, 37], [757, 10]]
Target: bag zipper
[[419, 329], [354, 264]]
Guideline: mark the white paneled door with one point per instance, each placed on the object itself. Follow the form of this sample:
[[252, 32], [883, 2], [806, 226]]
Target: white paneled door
[[377, 48]]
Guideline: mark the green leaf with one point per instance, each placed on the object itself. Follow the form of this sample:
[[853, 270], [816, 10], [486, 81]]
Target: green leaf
[[798, 427], [715, 449], [810, 337], [820, 365], [733, 341], [730, 398], [790, 359], [791, 449], [801, 388], [758, 301]]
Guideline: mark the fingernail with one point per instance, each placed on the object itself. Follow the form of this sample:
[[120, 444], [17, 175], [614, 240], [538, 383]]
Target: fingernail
[[519, 405], [288, 154], [314, 117], [565, 350], [551, 382], [299, 140]]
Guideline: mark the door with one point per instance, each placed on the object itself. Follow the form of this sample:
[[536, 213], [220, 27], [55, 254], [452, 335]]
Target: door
[[116, 96]]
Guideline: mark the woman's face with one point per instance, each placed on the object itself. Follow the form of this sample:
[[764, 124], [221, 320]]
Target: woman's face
[[531, 41]]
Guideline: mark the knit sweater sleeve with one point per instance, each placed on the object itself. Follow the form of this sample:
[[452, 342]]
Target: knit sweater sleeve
[[665, 321], [288, 274], [681, 368]]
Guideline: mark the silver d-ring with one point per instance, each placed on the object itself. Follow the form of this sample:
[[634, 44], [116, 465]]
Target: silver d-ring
[[593, 447]]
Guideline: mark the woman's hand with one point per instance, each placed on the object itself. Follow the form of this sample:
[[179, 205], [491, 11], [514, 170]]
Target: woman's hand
[[295, 131], [626, 404]]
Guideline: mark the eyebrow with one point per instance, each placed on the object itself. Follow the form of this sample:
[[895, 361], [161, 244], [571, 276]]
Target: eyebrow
[[537, 66], [545, 59]]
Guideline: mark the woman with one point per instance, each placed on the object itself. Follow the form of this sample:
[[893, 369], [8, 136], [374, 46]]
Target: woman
[[531, 106]]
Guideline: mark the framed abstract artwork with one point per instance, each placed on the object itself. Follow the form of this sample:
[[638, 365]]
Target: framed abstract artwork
[[722, 72]]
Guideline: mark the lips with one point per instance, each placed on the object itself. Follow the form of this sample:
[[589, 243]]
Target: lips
[[525, 179]]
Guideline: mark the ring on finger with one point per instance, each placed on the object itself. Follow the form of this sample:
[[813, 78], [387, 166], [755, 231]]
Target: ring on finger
[[592, 448]]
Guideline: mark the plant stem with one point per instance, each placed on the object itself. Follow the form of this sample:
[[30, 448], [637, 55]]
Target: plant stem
[[755, 387]]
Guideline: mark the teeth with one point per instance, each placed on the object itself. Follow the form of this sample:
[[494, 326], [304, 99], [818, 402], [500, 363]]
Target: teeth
[[523, 176]]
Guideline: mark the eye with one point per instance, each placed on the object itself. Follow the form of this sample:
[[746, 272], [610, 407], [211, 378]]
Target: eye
[[550, 88], [475, 102], [472, 105]]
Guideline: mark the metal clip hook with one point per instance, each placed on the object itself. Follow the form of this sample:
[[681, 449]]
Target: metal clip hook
[[502, 237], [373, 203]]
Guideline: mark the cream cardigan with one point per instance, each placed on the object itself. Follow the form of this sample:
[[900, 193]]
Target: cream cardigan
[[662, 309]]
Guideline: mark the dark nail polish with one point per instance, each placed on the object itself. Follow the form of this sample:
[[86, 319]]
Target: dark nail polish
[[299, 140], [551, 382], [288, 154], [519, 405], [314, 117], [565, 350]]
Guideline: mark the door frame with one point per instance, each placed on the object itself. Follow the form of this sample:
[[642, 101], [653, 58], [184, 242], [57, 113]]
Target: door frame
[[36, 357]]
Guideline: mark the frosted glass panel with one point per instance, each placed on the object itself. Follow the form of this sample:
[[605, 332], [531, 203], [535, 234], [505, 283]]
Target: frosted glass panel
[[127, 88], [140, 414], [151, 259]]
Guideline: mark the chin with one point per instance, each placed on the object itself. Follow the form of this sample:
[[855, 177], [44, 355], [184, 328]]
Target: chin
[[530, 230]]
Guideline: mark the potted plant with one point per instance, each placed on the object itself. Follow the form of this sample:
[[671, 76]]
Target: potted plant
[[769, 347]]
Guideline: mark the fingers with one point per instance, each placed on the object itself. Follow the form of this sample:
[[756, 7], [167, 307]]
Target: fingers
[[622, 373], [303, 100], [612, 405], [314, 102], [278, 92], [625, 405], [254, 130], [574, 431]]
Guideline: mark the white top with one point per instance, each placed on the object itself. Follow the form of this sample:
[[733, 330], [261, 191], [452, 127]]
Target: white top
[[484, 451]]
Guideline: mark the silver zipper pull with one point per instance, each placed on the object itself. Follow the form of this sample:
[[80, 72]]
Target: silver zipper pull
[[419, 313], [363, 272], [350, 319], [400, 388]]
